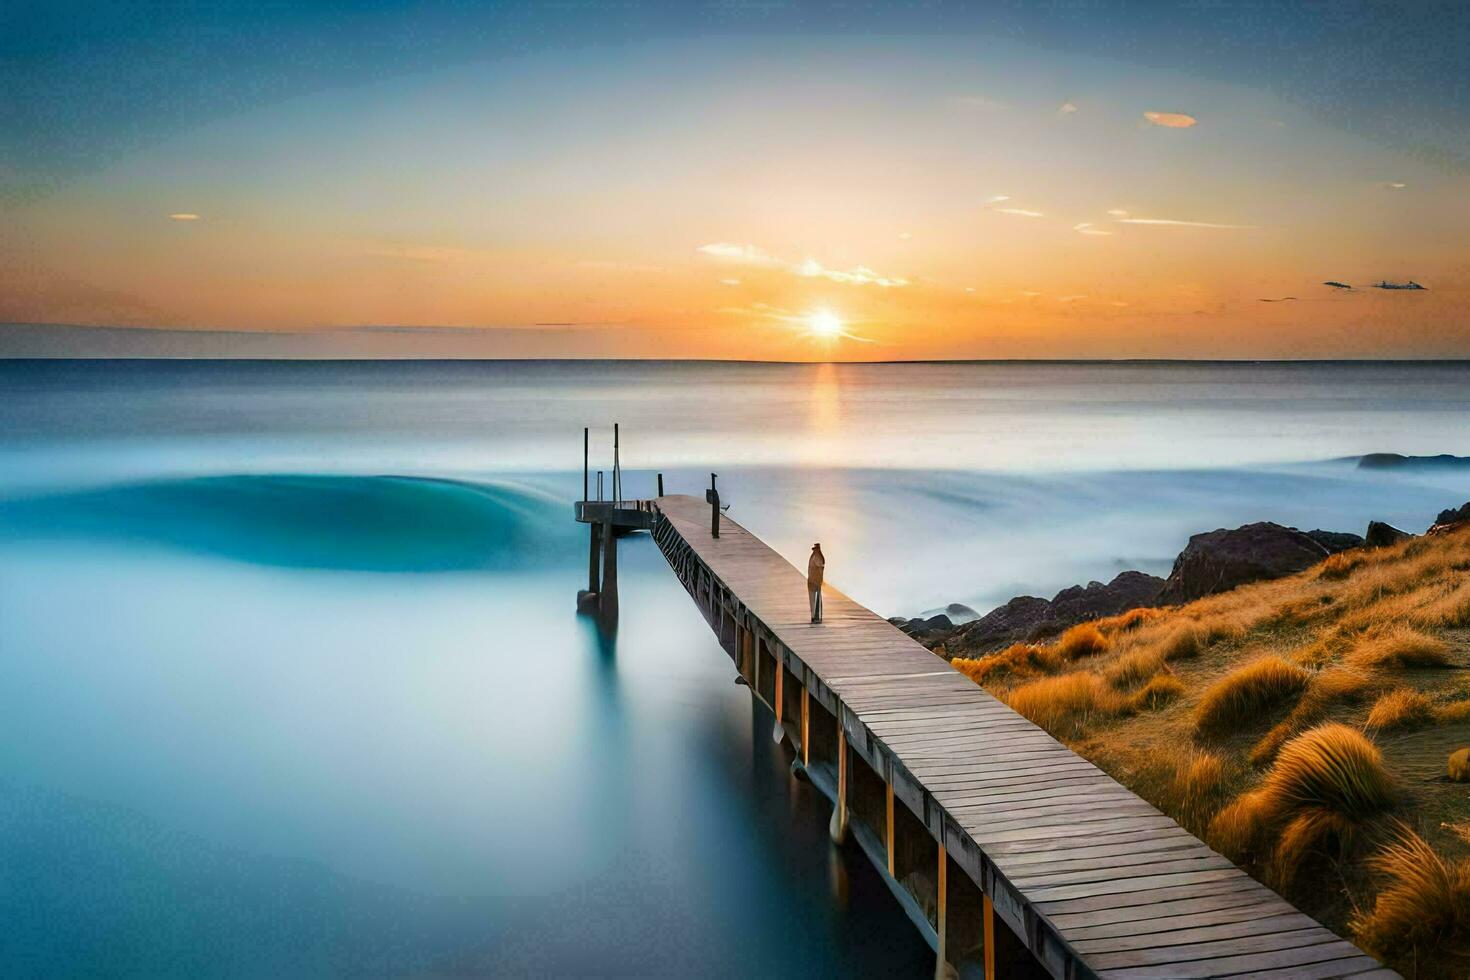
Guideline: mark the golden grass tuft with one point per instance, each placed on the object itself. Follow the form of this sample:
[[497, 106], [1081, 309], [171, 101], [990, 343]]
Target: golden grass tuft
[[1183, 642], [1331, 768], [1134, 667], [1400, 709], [1342, 564], [1423, 906], [1160, 691], [1326, 690], [1449, 610], [1458, 766], [1081, 641], [1131, 620], [1017, 661], [1398, 646], [1239, 698], [1453, 714], [1312, 834], [1065, 705]]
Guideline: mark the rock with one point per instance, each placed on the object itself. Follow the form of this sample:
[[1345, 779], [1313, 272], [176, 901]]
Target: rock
[[1335, 541], [961, 613], [1381, 535], [1385, 461], [1459, 766], [1219, 560], [1030, 618], [931, 625], [1002, 626], [1453, 515], [1127, 590]]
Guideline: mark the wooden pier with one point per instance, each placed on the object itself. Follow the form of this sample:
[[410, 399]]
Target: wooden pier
[[1007, 849]]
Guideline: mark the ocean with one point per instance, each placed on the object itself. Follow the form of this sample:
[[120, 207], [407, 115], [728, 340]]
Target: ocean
[[291, 680]]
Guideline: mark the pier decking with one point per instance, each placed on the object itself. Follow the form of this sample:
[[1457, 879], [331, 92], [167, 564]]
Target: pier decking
[[1010, 843]]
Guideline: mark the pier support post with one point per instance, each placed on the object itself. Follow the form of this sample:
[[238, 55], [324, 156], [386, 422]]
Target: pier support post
[[837, 829], [941, 964], [806, 717], [607, 596], [889, 836], [779, 732], [988, 950], [594, 554]]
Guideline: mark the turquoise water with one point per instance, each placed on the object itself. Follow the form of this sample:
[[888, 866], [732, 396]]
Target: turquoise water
[[290, 682]]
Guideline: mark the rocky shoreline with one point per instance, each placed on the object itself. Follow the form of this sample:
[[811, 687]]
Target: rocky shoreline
[[1212, 561]]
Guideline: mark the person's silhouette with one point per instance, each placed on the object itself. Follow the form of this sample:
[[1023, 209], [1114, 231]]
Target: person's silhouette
[[815, 567]]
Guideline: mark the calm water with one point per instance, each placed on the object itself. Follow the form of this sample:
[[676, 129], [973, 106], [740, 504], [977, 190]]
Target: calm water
[[290, 682]]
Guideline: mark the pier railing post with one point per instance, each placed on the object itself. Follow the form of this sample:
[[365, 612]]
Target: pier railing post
[[713, 496], [586, 456], [660, 484]]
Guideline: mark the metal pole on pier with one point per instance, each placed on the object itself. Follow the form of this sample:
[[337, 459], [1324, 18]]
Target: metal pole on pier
[[617, 487], [713, 496], [586, 449], [660, 484]]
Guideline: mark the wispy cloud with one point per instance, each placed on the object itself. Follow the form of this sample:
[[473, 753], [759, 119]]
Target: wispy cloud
[[1021, 212], [729, 282], [1067, 108], [807, 268], [744, 254], [975, 102], [1087, 228], [1180, 224], [997, 198], [1118, 212], [184, 216], [1171, 120]]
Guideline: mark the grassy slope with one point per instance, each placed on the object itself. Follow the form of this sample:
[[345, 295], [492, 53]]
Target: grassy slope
[[1301, 726]]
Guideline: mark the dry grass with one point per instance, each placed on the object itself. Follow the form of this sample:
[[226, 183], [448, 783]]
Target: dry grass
[[1422, 909], [1161, 691], [1130, 620], [1015, 662], [1326, 691], [1350, 646], [1342, 564], [1398, 646], [1326, 784], [1081, 641], [1065, 705], [1240, 697], [1134, 667], [1400, 709]]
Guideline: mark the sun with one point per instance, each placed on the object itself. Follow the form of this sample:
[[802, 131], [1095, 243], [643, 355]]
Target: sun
[[824, 324]]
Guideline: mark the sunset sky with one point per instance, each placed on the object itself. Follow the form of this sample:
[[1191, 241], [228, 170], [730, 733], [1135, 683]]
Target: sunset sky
[[753, 181]]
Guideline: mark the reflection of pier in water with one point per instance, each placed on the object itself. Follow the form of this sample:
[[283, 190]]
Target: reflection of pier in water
[[1003, 846]]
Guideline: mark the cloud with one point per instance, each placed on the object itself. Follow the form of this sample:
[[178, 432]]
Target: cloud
[[744, 254], [975, 102], [1020, 211], [1086, 228], [998, 198], [184, 216], [1171, 120], [729, 282], [1395, 185], [1067, 108], [1118, 212], [1180, 224], [808, 268], [858, 276], [905, 236]]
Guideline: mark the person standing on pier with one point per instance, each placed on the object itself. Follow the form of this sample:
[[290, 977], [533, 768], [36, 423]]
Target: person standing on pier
[[815, 567]]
